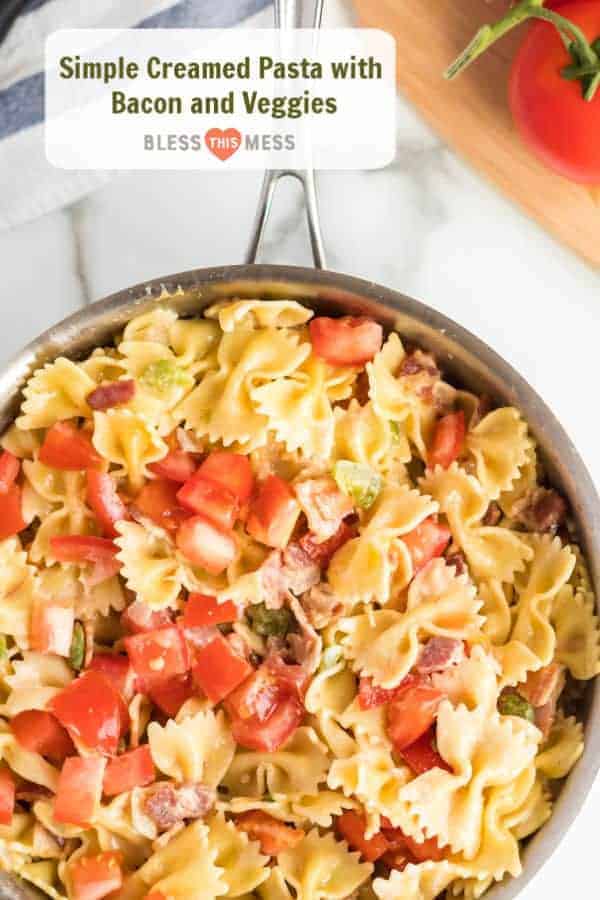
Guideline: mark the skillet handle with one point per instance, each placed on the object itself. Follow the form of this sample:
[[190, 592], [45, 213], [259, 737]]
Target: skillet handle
[[291, 14]]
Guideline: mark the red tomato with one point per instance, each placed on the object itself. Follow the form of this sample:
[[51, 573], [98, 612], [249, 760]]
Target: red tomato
[[351, 826], [219, 669], [426, 542], [202, 611], [93, 711], [10, 467], [448, 440], [177, 465], [274, 513], [170, 695], [158, 655], [115, 667], [293, 678], [132, 769], [349, 341], [273, 836], [206, 545], [65, 447], [81, 548], [103, 499], [158, 501], [370, 695], [420, 851], [40, 732], [94, 877], [79, 789], [411, 714], [256, 697], [51, 629], [11, 516], [202, 496], [554, 119], [231, 471], [323, 552], [139, 617], [423, 755], [271, 734], [7, 795]]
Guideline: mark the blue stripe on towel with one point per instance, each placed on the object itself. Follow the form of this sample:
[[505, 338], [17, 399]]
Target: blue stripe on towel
[[22, 104]]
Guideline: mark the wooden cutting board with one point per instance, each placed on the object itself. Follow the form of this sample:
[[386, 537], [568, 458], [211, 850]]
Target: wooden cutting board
[[471, 113]]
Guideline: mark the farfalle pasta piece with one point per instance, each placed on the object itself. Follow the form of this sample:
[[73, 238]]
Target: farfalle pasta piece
[[243, 866], [363, 436], [385, 644], [495, 610], [34, 680], [55, 392], [365, 567], [22, 443], [103, 365], [328, 696], [491, 551], [183, 869], [368, 726], [322, 808], [122, 824], [17, 590], [221, 406], [374, 778], [194, 342], [499, 445], [510, 500], [27, 764], [55, 485], [577, 633], [562, 749], [199, 749], [299, 767], [275, 887], [160, 383], [321, 868], [232, 315], [74, 518], [425, 881], [128, 441], [152, 326], [150, 566]]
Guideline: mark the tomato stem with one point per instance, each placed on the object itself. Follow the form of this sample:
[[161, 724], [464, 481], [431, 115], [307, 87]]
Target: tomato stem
[[586, 58]]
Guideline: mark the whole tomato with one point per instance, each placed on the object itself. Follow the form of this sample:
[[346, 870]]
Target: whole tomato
[[556, 122]]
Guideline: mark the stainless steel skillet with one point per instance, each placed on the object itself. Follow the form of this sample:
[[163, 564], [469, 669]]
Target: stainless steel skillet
[[465, 359]]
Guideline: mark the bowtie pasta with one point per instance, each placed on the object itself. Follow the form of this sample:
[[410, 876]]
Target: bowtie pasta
[[284, 615]]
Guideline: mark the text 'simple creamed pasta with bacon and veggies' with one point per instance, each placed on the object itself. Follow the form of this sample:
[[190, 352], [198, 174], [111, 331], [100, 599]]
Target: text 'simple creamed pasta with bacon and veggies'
[[284, 615]]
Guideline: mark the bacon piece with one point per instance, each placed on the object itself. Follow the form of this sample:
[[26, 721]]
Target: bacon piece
[[299, 571], [457, 561], [29, 792], [438, 654], [542, 509], [418, 361], [542, 689], [307, 644], [322, 552], [274, 836], [169, 805], [324, 506], [321, 605], [493, 514], [112, 394]]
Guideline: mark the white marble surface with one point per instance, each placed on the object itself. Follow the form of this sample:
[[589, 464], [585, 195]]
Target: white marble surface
[[427, 225]]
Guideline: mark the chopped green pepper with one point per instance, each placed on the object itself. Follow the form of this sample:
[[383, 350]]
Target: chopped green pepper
[[163, 375], [270, 622], [358, 481], [512, 704], [77, 651]]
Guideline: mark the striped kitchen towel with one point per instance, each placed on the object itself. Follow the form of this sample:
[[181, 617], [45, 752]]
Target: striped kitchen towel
[[29, 185]]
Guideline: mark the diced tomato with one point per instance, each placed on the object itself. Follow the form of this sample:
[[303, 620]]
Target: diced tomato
[[414, 851], [40, 732], [219, 669], [10, 467], [211, 500], [7, 795], [177, 466], [352, 826], [271, 734], [66, 447], [94, 877], [273, 835], [170, 695], [448, 440], [158, 655], [292, 677], [51, 628], [139, 617], [201, 611], [11, 515], [371, 695], [231, 471], [158, 501], [423, 755], [117, 669], [349, 341], [103, 499], [426, 542], [412, 713], [92, 710], [274, 513], [79, 789], [322, 553], [79, 548], [206, 545], [256, 697], [132, 769]]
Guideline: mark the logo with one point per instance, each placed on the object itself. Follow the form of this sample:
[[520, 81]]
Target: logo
[[223, 143]]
